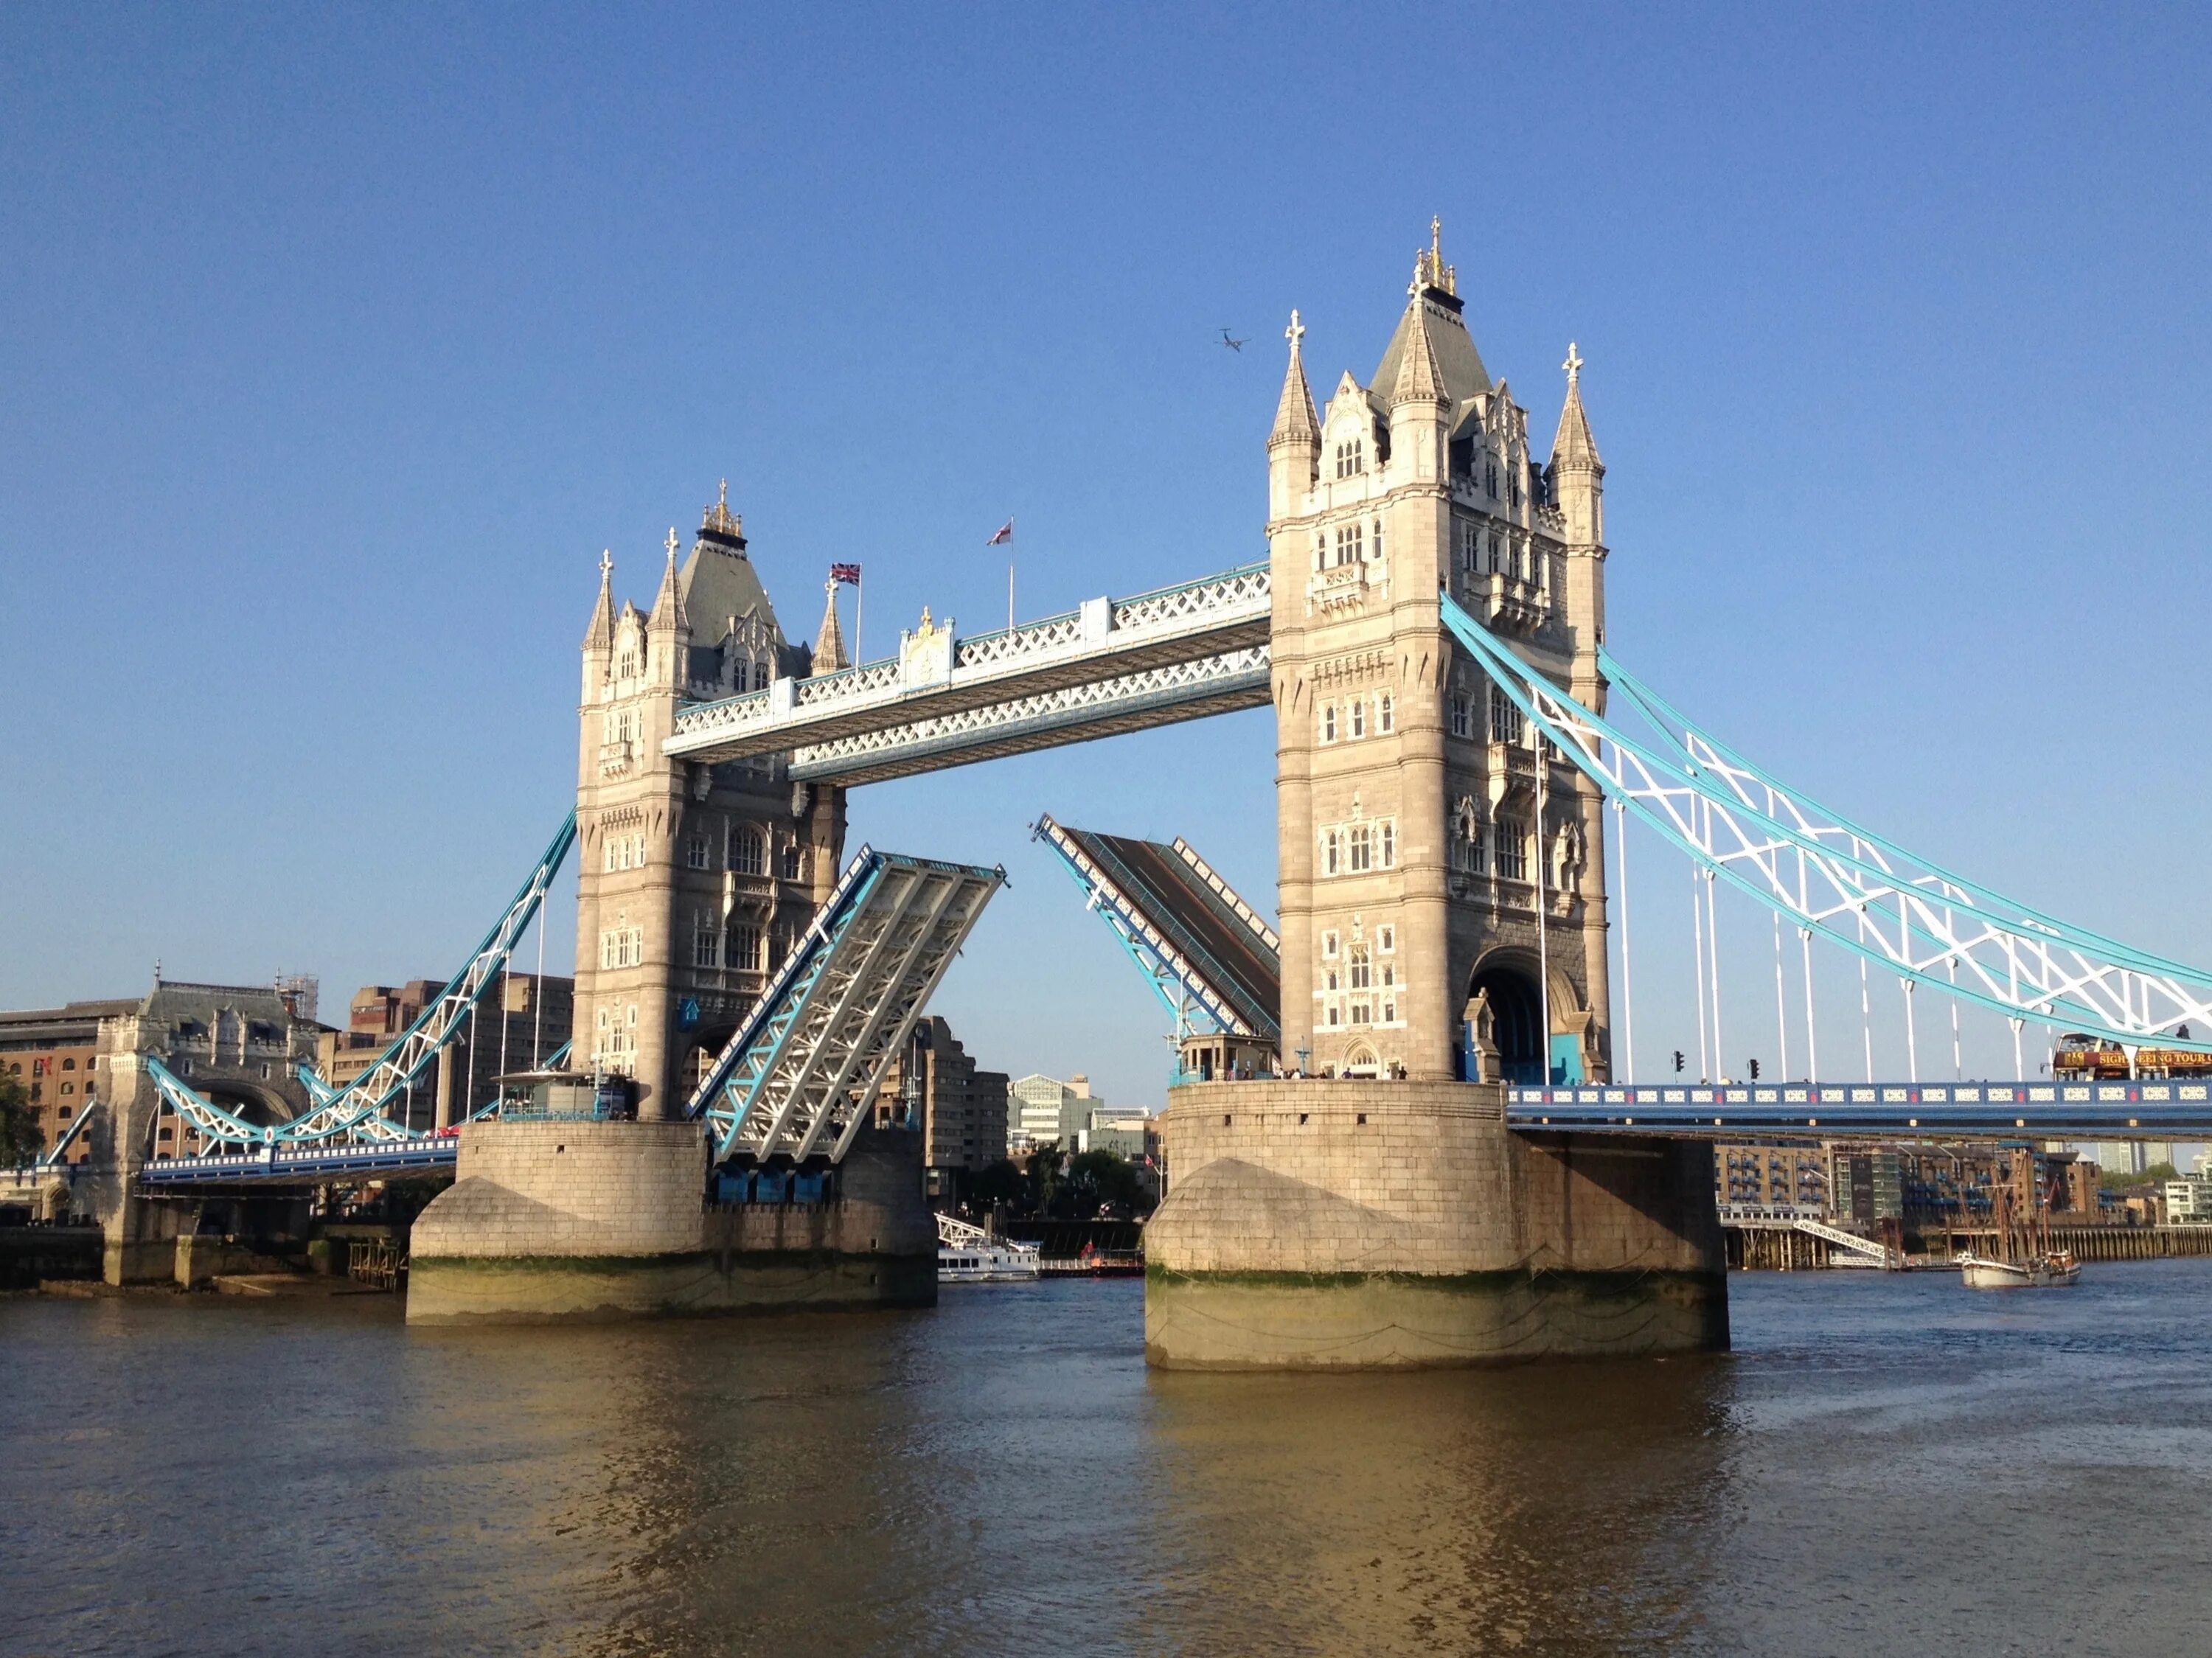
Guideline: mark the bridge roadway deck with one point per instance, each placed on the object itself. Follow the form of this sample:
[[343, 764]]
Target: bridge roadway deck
[[306, 1165], [1827, 1111], [1811, 1112], [1113, 665]]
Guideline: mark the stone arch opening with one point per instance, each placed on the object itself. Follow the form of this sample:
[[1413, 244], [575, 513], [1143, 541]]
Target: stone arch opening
[[1359, 1060], [1517, 1014]]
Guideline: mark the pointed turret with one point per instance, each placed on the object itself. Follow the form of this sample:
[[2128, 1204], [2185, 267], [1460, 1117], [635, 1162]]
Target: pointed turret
[[1577, 476], [1575, 447], [1295, 420], [1421, 375], [829, 644], [601, 635], [667, 616], [1294, 445]]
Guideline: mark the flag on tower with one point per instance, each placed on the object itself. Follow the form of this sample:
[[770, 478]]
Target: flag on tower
[[1005, 533], [847, 574]]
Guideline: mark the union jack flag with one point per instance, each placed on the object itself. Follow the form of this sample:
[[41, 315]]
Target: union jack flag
[[847, 574]]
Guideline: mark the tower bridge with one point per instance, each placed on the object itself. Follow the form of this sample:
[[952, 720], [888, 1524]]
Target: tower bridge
[[1462, 1164]]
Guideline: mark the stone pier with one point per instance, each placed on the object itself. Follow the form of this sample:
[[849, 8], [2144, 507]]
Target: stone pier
[[555, 1220], [1321, 1224]]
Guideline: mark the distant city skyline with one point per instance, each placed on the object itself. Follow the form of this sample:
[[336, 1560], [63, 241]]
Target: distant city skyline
[[335, 363]]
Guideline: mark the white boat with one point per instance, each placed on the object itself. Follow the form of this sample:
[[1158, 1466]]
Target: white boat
[[2046, 1272], [969, 1254]]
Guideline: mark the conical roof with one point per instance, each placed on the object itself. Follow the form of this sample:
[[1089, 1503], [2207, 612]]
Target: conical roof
[[1574, 446], [829, 655], [667, 616], [1434, 314], [601, 635], [1295, 420], [1420, 377]]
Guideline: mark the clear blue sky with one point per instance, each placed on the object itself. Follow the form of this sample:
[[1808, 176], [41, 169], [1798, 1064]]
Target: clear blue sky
[[334, 346]]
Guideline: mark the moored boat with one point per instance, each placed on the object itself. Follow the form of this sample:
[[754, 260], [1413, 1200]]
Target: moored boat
[[2052, 1270], [969, 1254]]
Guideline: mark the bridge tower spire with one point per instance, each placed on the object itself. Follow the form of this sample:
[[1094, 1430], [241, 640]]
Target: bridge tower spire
[[1575, 479], [1294, 441]]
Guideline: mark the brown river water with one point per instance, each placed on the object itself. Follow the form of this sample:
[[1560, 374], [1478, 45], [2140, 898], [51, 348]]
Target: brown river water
[[1885, 1464]]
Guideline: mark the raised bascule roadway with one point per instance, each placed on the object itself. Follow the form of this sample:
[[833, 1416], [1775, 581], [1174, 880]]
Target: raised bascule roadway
[[1465, 1158]]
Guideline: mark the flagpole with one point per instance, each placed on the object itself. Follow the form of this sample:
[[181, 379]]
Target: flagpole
[[859, 610], [1009, 582]]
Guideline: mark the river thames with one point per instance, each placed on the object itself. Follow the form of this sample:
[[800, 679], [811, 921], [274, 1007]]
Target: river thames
[[1885, 1464]]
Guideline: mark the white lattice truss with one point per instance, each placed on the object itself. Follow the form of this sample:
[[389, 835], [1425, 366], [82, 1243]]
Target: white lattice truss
[[1106, 641], [1836, 880], [799, 1077], [1073, 713]]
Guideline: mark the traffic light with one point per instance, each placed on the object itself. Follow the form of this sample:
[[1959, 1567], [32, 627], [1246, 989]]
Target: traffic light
[[1678, 1062], [1754, 1071]]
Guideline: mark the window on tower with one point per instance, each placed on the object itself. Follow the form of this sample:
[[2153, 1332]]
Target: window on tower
[[747, 855], [1329, 724], [1462, 717], [1362, 849], [1359, 717], [706, 940], [696, 850], [1512, 848], [1332, 852], [1505, 722], [1385, 715]]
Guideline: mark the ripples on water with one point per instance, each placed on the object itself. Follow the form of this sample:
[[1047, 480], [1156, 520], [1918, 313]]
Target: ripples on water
[[1884, 1465]]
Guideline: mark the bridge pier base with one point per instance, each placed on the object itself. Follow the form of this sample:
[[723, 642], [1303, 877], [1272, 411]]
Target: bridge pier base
[[554, 1221], [1320, 1225]]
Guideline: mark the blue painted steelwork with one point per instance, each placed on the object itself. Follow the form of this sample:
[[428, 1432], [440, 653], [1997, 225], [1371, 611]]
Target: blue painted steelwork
[[52, 1155], [1705, 756], [732, 1086], [1825, 1111], [358, 1111], [273, 1164], [1831, 878], [1182, 974], [802, 1073]]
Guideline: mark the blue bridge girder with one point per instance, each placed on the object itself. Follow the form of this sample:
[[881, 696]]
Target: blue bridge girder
[[2038, 1110], [358, 1111], [799, 1076], [306, 1165], [1829, 878], [1206, 954]]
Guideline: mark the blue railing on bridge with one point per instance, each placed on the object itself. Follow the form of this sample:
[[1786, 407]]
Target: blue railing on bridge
[[364, 1161], [2073, 1110]]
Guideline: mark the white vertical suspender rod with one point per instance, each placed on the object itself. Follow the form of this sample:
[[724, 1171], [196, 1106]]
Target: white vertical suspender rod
[[1627, 984]]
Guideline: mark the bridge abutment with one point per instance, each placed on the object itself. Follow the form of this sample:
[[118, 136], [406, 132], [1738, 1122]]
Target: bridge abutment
[[557, 1220], [1319, 1224]]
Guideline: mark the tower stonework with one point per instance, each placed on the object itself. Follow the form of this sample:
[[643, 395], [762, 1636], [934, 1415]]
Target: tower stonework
[[1442, 921], [1426, 867], [696, 879]]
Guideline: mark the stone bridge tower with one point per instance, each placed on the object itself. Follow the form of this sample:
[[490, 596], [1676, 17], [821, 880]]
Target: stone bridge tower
[[1439, 874], [695, 879]]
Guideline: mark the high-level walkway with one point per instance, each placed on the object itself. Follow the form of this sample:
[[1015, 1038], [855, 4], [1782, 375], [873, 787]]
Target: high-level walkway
[[1111, 666]]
